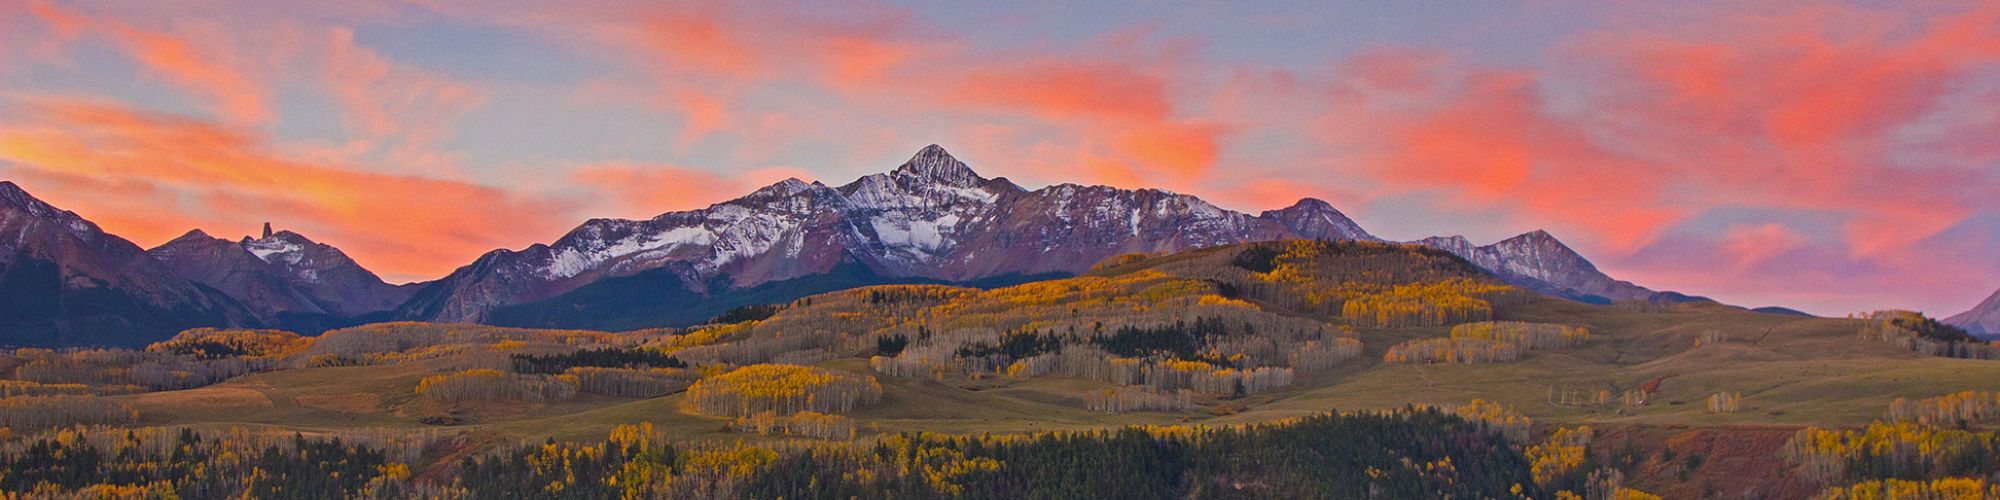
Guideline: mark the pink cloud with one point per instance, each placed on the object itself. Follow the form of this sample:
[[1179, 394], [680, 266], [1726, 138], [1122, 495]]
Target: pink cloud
[[208, 68], [645, 190], [1754, 244], [1783, 111]]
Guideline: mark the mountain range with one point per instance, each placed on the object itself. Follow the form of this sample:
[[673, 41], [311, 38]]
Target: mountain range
[[930, 220], [284, 277], [64, 281]]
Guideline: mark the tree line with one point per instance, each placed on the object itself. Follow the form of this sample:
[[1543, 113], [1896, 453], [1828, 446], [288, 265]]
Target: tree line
[[1408, 454]]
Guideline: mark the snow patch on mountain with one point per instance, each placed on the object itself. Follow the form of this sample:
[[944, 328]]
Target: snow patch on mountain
[[274, 250]]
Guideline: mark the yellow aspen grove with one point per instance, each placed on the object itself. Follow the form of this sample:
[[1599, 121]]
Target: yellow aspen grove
[[1498, 417], [1130, 399], [1897, 489], [29, 413], [1560, 455], [1453, 350], [1917, 333], [1525, 335], [1725, 402], [1900, 449], [783, 390], [1956, 409]]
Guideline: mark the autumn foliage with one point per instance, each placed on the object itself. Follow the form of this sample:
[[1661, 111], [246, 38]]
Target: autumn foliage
[[495, 385], [1373, 284], [1892, 450], [1897, 489], [1525, 335], [1956, 409], [782, 390], [1561, 455], [1453, 350], [29, 413]]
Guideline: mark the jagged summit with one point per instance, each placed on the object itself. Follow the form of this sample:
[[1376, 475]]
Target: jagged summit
[[934, 163]]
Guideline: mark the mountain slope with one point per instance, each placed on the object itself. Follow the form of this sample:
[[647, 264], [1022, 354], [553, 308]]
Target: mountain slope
[[64, 281], [283, 276], [932, 218], [226, 266], [1540, 262], [1983, 319]]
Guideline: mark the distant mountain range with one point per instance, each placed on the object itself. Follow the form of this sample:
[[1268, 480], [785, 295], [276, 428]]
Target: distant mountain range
[[930, 220]]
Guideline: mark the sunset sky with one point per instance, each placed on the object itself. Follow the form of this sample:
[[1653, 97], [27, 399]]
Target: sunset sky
[[1833, 157]]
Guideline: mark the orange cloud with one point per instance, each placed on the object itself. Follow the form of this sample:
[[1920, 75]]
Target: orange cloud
[[220, 176], [1066, 89], [1178, 150], [206, 69]]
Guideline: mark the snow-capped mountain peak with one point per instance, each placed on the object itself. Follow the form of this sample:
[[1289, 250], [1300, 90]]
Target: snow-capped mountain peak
[[284, 247], [1539, 261], [933, 163]]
